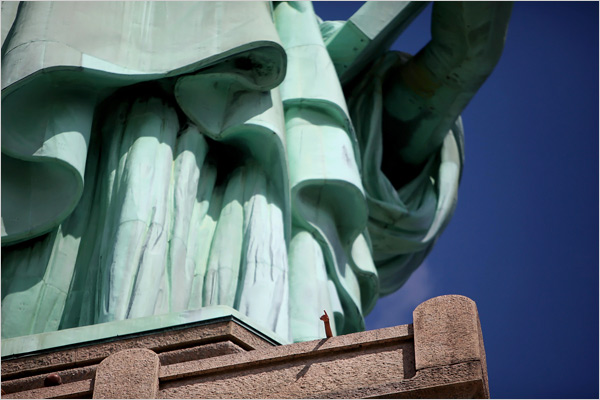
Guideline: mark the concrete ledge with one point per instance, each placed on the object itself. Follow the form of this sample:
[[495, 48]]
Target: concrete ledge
[[453, 381], [93, 353], [43, 343], [23, 377], [76, 390], [441, 355], [301, 370], [346, 344]]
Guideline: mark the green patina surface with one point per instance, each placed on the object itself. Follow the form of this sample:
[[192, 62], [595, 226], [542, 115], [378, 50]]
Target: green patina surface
[[162, 157], [128, 328]]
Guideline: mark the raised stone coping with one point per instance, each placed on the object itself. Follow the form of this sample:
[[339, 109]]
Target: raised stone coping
[[439, 355], [316, 348], [119, 330]]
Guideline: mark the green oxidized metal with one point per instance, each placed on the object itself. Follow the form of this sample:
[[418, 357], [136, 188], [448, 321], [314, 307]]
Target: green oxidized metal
[[159, 157]]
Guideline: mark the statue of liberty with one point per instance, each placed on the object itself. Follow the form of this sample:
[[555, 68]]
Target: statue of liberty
[[168, 156]]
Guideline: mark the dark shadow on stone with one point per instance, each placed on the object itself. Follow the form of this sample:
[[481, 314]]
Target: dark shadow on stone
[[307, 367]]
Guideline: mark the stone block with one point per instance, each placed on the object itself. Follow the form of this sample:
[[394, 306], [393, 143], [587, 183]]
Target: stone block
[[199, 352], [448, 331], [128, 374]]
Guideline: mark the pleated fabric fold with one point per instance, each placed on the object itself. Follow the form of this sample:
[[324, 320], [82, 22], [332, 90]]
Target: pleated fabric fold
[[328, 200], [153, 230], [52, 80], [188, 172], [404, 223], [158, 230]]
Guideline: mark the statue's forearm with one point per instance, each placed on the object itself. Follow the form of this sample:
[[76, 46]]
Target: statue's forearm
[[425, 96]]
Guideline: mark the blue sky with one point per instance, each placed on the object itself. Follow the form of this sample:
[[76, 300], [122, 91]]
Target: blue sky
[[523, 242]]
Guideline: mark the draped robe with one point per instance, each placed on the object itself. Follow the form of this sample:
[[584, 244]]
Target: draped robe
[[160, 157]]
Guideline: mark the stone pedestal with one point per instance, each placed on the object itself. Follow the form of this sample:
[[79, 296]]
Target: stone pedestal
[[440, 355]]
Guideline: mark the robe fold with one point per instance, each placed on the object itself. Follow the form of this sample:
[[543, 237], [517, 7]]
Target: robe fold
[[166, 156]]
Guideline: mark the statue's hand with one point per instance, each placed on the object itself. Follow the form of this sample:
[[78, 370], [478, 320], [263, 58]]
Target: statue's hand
[[424, 96], [324, 317]]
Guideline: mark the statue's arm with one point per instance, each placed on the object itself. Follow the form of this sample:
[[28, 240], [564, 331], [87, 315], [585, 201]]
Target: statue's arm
[[423, 97]]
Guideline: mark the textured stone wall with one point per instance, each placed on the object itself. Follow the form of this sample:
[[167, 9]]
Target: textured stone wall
[[440, 355]]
